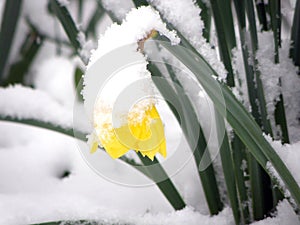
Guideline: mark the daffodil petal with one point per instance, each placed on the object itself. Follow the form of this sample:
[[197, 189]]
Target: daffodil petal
[[94, 147], [146, 136]]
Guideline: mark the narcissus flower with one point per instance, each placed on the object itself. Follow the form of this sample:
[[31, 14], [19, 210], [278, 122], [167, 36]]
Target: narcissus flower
[[143, 132], [134, 127]]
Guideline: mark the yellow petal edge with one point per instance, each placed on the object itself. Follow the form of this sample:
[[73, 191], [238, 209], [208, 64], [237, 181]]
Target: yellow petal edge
[[145, 136]]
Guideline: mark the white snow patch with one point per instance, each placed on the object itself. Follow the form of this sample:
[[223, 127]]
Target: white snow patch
[[63, 2], [132, 29], [290, 154], [26, 103], [55, 76], [118, 7], [284, 215], [185, 16], [285, 71], [127, 35]]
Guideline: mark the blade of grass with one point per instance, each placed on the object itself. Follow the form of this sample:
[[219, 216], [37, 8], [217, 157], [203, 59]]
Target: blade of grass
[[78, 83], [139, 3], [30, 47], [207, 176], [260, 183], [266, 125], [82, 222], [9, 22], [225, 16], [276, 26], [225, 32], [80, 10], [236, 115], [67, 22], [109, 13], [239, 159], [45, 125], [228, 169], [205, 17], [95, 18], [295, 36], [72, 222], [262, 14], [280, 117], [166, 186]]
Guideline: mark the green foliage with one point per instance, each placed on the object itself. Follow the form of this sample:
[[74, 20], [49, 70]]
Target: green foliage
[[8, 26], [247, 145]]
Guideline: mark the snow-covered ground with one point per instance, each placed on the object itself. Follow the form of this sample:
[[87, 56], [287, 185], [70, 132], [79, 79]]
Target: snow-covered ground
[[33, 162]]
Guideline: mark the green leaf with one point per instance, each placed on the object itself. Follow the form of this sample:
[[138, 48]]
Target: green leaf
[[280, 117], [95, 18], [30, 47], [10, 19], [275, 14], [205, 17], [166, 186], [226, 35], [239, 158], [67, 22], [262, 14], [189, 122], [46, 125], [228, 169], [260, 183], [139, 3], [295, 36], [236, 115], [78, 222], [78, 83], [109, 13]]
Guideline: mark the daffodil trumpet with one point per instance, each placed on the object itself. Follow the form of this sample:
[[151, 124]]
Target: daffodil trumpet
[[145, 136], [142, 130]]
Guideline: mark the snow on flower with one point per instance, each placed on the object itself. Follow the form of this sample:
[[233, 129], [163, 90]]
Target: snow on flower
[[123, 125]]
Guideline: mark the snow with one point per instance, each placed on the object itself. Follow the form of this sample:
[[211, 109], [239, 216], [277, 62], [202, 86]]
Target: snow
[[271, 73], [61, 86], [111, 82], [86, 47], [118, 7], [33, 161], [185, 16], [32, 190], [290, 154], [38, 14], [40, 194], [26, 103], [132, 30], [241, 89], [287, 12], [64, 2], [284, 215]]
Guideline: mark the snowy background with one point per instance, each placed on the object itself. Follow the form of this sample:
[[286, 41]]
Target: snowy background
[[44, 176]]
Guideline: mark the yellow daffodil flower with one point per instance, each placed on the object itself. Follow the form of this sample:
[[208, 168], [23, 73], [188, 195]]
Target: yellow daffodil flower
[[142, 130], [144, 135]]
